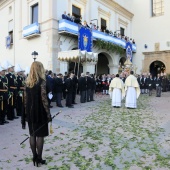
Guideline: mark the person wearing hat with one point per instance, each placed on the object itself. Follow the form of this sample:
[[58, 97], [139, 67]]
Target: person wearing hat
[[3, 96], [20, 86], [12, 86], [116, 91]]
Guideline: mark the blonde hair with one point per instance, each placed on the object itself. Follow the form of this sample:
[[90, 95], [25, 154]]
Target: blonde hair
[[37, 72]]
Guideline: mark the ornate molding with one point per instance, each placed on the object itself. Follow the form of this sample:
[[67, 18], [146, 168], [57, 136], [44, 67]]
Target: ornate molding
[[123, 22], [117, 8], [83, 2], [156, 52], [103, 12], [5, 3]]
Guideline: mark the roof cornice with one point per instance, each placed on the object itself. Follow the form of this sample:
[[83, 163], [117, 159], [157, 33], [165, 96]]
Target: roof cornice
[[117, 8]]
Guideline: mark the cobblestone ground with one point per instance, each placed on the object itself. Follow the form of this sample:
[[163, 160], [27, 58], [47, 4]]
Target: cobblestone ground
[[94, 136]]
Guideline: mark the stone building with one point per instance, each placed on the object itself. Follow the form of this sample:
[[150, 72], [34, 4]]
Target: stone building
[[37, 25]]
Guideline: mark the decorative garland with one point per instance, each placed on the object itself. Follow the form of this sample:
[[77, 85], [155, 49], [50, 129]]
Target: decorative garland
[[109, 46]]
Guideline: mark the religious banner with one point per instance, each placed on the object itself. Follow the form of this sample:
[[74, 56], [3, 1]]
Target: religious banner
[[129, 51], [85, 41], [8, 41]]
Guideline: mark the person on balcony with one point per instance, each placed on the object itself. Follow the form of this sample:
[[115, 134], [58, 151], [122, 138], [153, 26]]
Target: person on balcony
[[78, 20], [73, 18], [69, 17], [64, 16], [85, 24]]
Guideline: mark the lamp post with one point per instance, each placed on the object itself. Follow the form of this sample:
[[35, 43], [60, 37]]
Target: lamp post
[[96, 20], [34, 55]]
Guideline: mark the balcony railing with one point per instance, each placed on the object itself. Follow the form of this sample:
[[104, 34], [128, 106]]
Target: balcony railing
[[72, 28], [31, 30]]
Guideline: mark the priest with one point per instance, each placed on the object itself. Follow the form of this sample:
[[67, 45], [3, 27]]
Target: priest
[[132, 91], [116, 91]]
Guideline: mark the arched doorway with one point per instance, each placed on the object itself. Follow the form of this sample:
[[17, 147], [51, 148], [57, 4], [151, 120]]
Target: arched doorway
[[102, 64], [157, 67], [122, 61]]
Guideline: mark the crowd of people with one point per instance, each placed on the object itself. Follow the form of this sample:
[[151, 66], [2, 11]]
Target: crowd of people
[[93, 26], [30, 96]]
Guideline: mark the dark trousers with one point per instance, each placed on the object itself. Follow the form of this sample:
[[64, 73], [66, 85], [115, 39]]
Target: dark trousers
[[68, 99], [19, 106], [64, 93], [88, 92], [91, 95], [10, 110], [82, 96], [58, 98], [158, 91], [73, 97], [2, 115], [150, 92]]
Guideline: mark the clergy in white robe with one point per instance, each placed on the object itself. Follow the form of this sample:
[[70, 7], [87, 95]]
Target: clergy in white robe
[[132, 91], [116, 91]]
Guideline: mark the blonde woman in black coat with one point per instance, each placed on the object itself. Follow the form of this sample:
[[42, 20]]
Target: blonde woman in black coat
[[36, 110]]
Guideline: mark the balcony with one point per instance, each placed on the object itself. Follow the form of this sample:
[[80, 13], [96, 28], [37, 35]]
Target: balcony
[[66, 26], [32, 30]]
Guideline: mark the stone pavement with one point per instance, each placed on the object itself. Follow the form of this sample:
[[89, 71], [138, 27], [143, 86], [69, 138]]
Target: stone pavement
[[95, 135]]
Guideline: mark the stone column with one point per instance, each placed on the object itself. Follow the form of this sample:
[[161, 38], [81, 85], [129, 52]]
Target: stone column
[[63, 67], [89, 67], [114, 69]]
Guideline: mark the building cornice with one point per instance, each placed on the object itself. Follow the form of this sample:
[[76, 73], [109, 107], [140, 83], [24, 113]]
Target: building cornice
[[123, 22], [83, 2], [117, 8], [4, 3], [105, 13], [156, 52]]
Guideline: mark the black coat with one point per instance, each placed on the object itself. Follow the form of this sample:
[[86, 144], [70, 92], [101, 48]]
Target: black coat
[[158, 82], [88, 82], [58, 85], [93, 84], [36, 109], [69, 85], [82, 83], [150, 83]]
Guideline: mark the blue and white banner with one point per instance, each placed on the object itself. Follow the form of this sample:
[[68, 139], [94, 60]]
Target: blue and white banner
[[85, 41], [8, 41], [129, 51], [72, 28], [31, 29]]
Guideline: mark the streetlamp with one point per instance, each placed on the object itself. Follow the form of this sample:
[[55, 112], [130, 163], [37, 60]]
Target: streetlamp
[[96, 20], [34, 55]]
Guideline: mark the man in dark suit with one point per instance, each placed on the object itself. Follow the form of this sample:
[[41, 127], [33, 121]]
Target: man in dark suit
[[64, 16], [4, 95], [58, 87], [12, 86], [88, 86], [82, 88], [93, 87], [69, 90], [64, 88], [150, 84], [74, 82], [158, 83], [50, 85]]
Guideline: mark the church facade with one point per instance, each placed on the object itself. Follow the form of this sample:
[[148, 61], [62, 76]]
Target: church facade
[[37, 25]]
